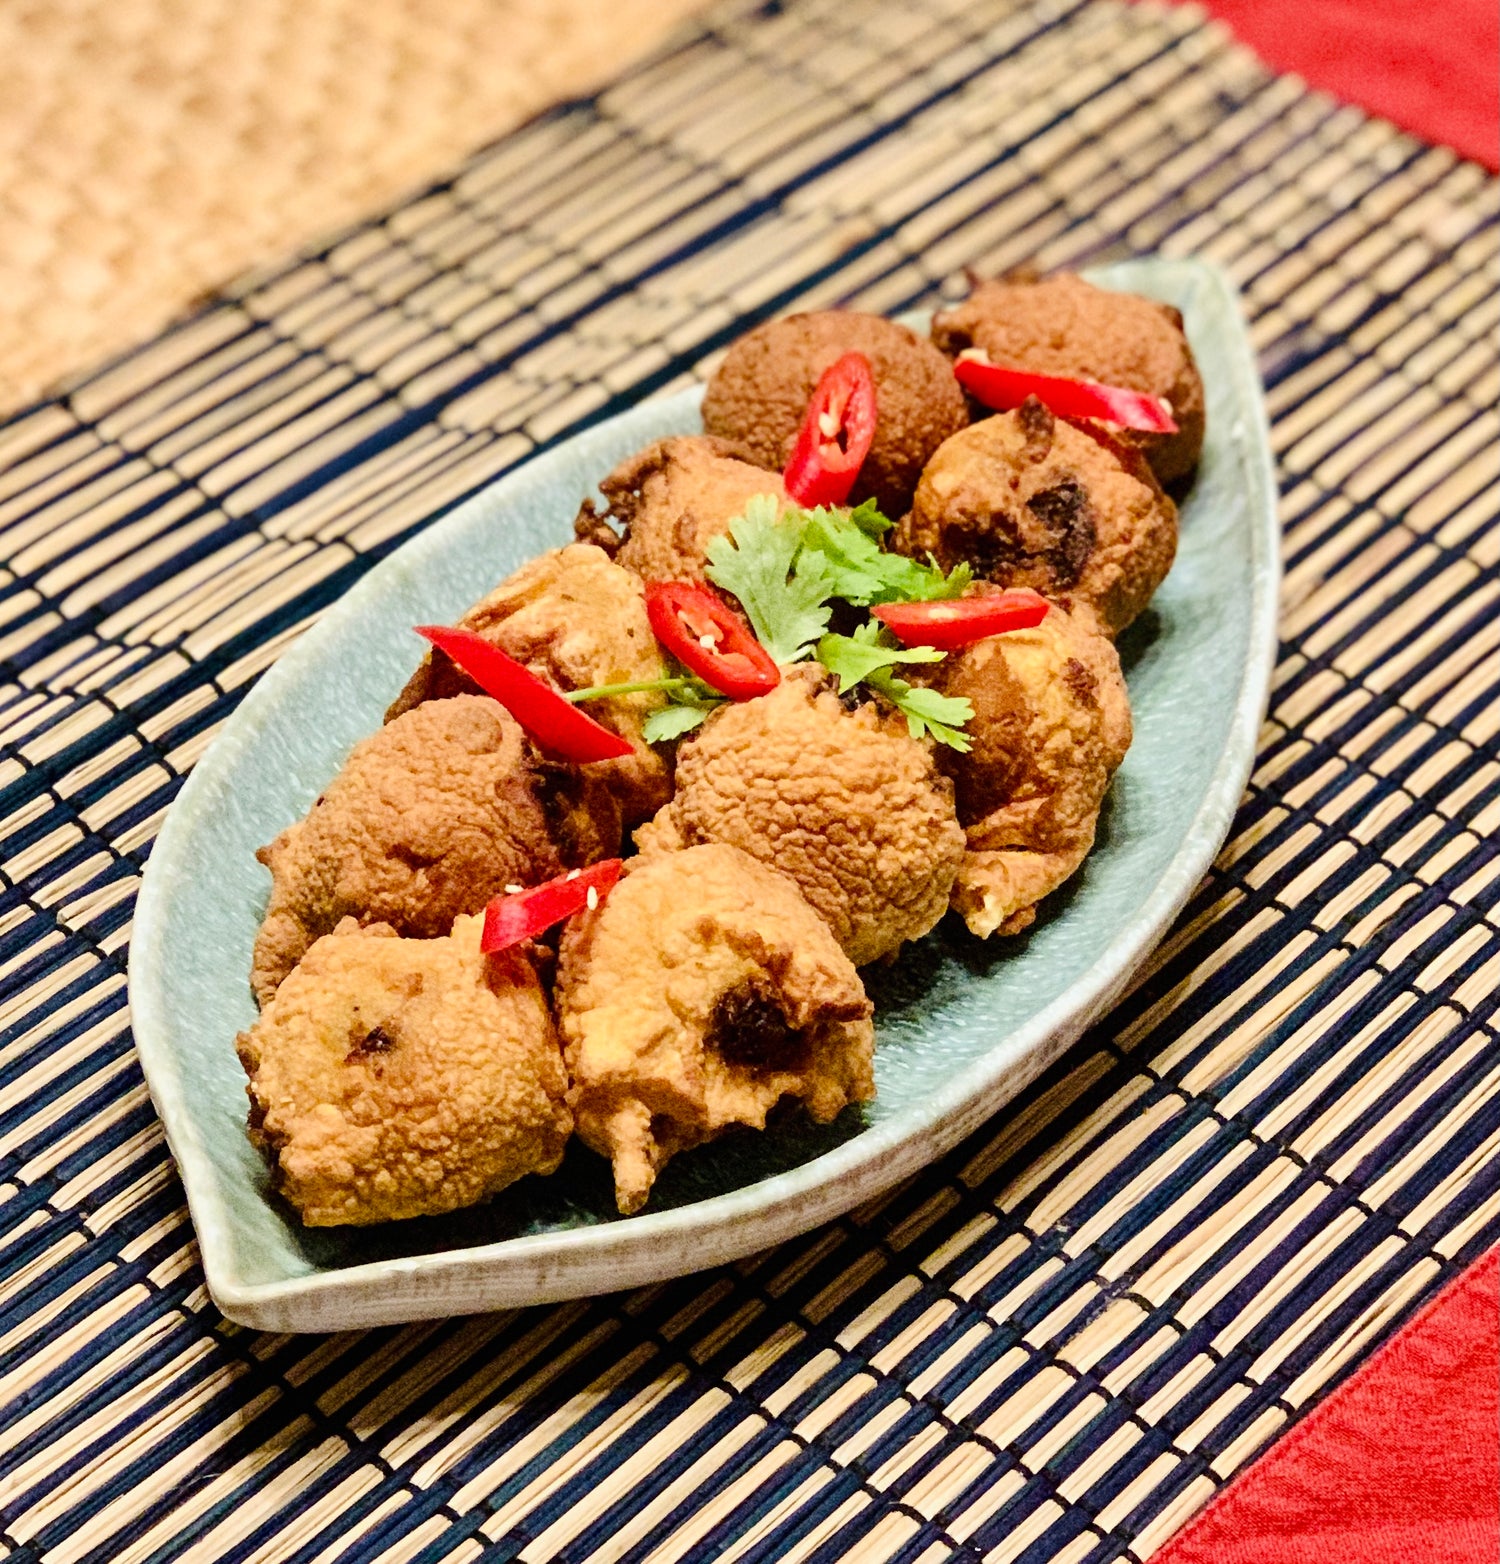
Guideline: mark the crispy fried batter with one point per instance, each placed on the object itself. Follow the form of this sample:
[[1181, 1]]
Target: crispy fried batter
[[430, 817], [575, 620], [1031, 501], [760, 394], [395, 1078], [1065, 326], [699, 995], [670, 499], [844, 803], [1051, 723]]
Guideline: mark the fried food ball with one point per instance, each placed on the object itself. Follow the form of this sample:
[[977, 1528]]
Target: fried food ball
[[1062, 325], [668, 501], [432, 816], [393, 1077], [576, 620], [1051, 724], [760, 393], [701, 993], [844, 803], [1031, 501]]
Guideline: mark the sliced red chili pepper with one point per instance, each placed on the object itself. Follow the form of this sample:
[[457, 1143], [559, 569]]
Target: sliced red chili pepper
[[835, 435], [546, 716], [1002, 388], [521, 915], [701, 631], [949, 624]]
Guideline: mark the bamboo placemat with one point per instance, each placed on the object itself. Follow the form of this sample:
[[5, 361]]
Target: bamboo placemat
[[1057, 1342], [155, 148]]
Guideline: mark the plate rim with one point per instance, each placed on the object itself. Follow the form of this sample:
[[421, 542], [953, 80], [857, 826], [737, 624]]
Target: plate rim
[[549, 1267]]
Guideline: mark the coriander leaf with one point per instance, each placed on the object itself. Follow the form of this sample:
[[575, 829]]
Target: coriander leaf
[[855, 657], [670, 722], [866, 516], [926, 711], [954, 584], [854, 561], [784, 596], [863, 572]]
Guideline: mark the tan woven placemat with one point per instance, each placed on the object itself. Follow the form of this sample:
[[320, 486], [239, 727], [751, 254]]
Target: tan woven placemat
[[150, 150], [1054, 1344]]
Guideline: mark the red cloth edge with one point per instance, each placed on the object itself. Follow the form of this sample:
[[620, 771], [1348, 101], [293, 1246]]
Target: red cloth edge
[[1430, 69], [1218, 1534]]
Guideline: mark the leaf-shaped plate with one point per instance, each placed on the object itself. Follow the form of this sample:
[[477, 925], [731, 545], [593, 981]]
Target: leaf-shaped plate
[[962, 1025]]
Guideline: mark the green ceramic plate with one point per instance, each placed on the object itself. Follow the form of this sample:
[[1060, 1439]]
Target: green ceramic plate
[[961, 1026]]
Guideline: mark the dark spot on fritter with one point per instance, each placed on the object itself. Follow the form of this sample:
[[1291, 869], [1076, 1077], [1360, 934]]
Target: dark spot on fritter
[[1065, 513], [1038, 427], [575, 808], [749, 1029], [1084, 686], [376, 1041], [1053, 531]]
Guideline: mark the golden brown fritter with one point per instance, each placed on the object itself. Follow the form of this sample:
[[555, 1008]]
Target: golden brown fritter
[[1031, 501], [668, 501], [394, 1077], [760, 393], [1065, 326], [845, 804], [431, 817], [1051, 723], [575, 620], [700, 994]]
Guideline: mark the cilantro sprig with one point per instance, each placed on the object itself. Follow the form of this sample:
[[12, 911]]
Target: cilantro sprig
[[786, 565], [785, 592], [870, 655], [689, 701], [863, 573]]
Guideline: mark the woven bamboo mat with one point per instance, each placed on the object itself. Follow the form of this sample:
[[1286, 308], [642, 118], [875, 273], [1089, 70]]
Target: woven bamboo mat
[[155, 148], [1057, 1342]]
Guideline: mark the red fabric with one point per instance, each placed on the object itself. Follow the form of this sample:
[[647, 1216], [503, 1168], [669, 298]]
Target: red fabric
[[1400, 1465], [1432, 68]]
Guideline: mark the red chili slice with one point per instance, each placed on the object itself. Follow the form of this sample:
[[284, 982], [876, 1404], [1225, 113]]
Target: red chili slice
[[554, 723], [1004, 389], [697, 626], [835, 435], [521, 915], [962, 621]]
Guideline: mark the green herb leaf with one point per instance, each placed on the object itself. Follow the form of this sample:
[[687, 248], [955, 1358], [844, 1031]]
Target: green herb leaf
[[862, 571], [954, 584], [855, 657], [866, 516], [786, 598], [926, 711], [671, 722], [869, 656]]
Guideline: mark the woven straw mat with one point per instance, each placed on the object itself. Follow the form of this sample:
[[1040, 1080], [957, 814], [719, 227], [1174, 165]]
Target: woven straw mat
[[1056, 1343], [152, 149]]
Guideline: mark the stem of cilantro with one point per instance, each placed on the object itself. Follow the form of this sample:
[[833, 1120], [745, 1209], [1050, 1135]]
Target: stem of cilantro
[[597, 692]]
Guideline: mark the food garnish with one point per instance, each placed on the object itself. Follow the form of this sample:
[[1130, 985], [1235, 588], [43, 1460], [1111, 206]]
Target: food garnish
[[835, 435], [522, 915], [705, 635], [787, 566], [868, 656], [785, 594], [952, 625], [552, 721], [1004, 389]]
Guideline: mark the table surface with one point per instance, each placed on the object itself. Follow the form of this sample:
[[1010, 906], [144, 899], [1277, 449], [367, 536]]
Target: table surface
[[1059, 1341]]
